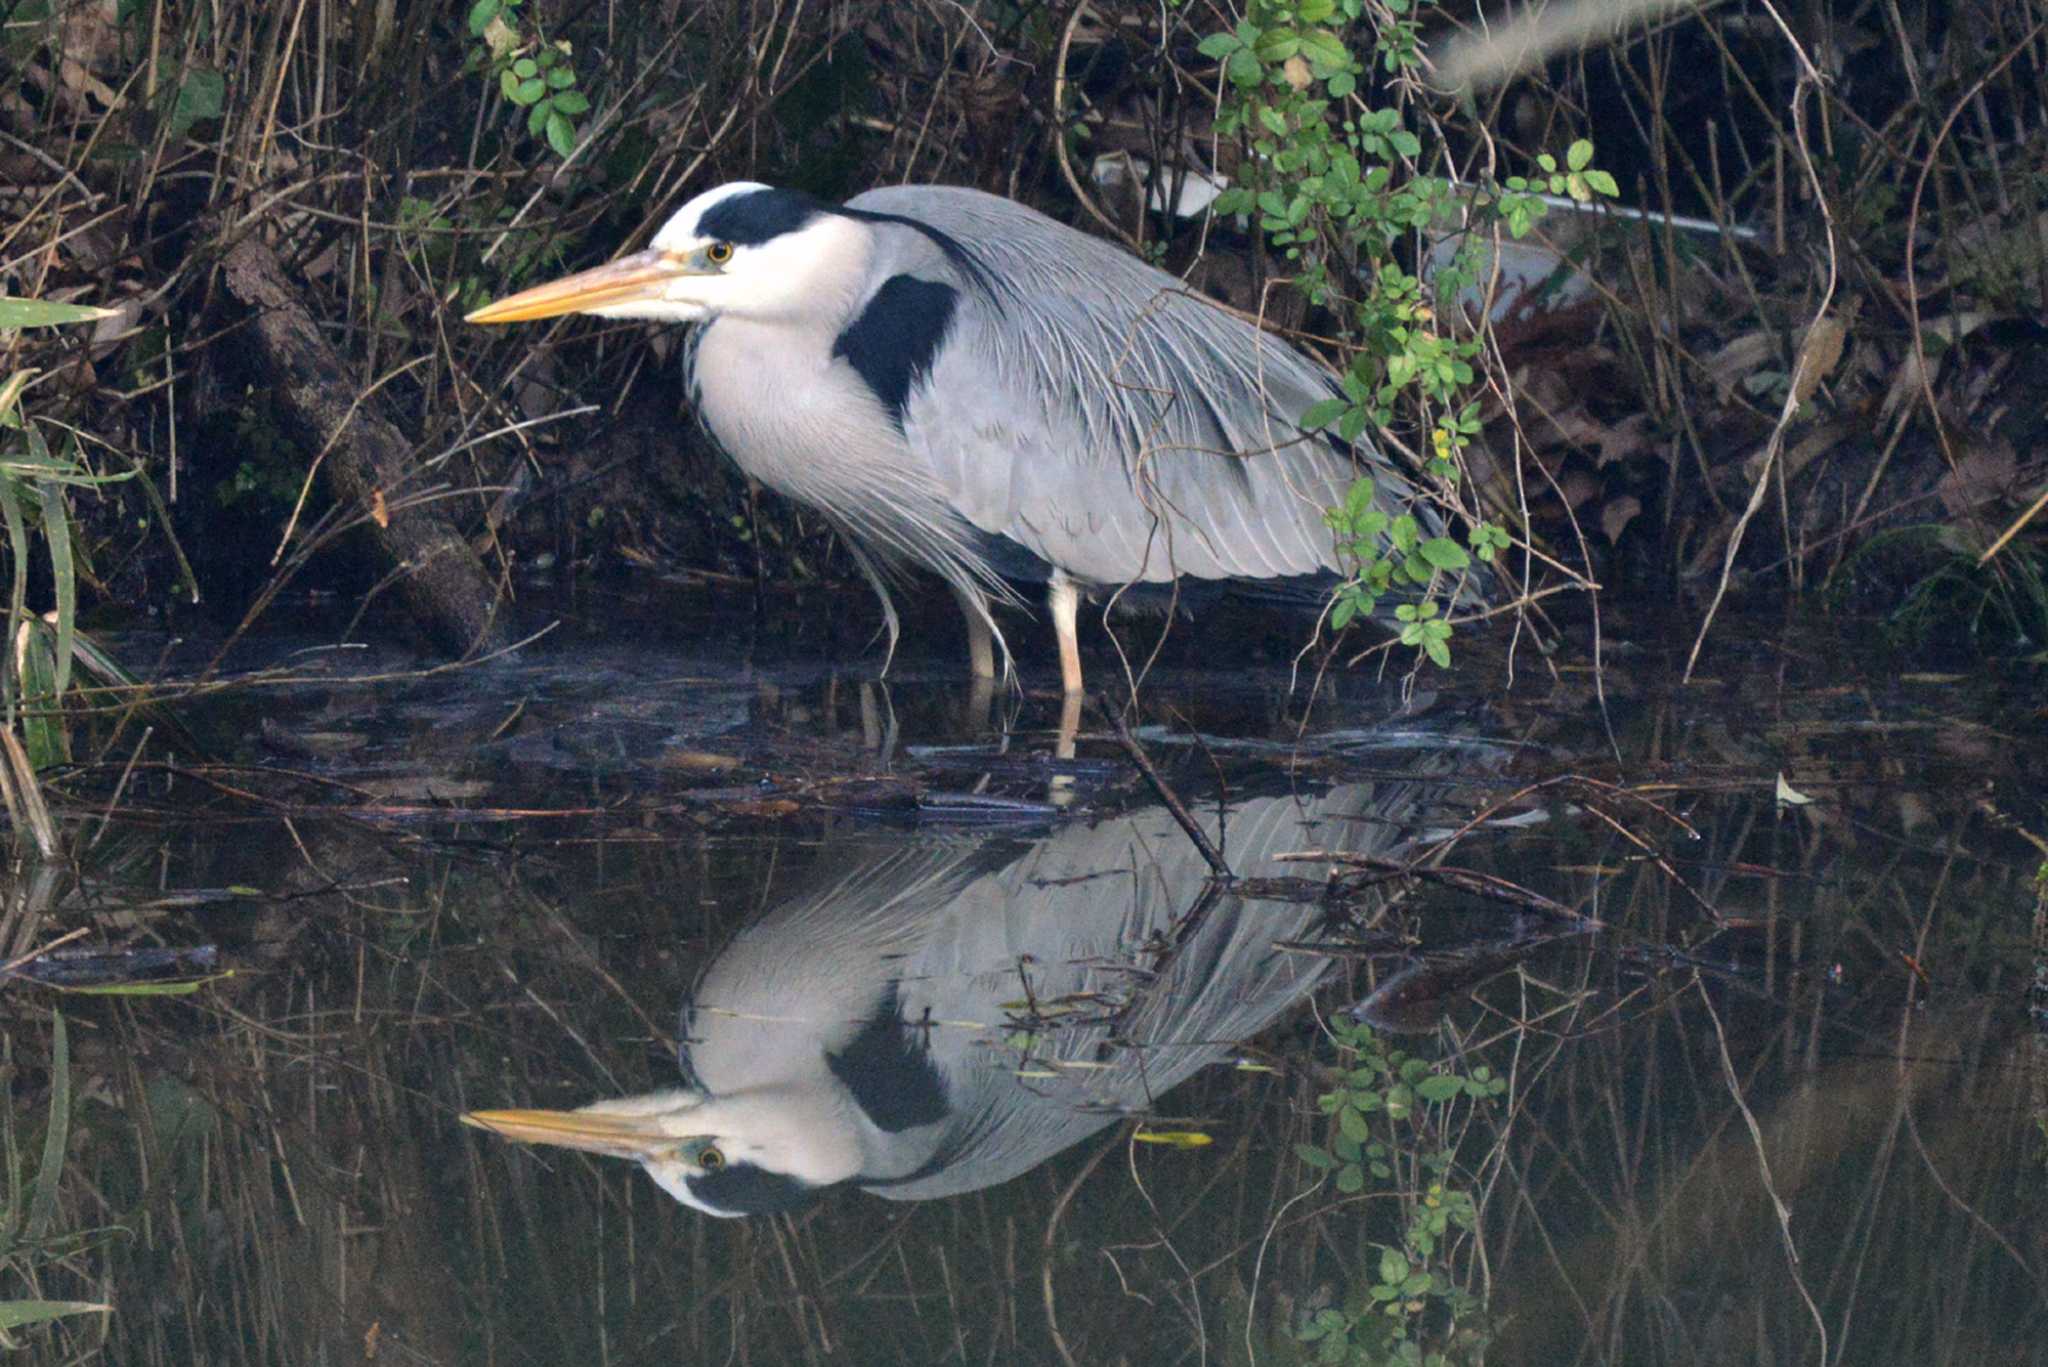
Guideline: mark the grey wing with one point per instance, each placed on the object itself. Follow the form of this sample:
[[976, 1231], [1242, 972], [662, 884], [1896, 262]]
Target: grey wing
[[1088, 409]]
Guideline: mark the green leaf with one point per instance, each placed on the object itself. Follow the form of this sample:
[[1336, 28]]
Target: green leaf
[[1601, 183], [561, 78], [39, 313], [1319, 1159], [531, 90], [201, 95], [480, 16], [1326, 50], [571, 102], [537, 117], [1342, 613], [508, 86], [561, 134], [1350, 1179], [526, 68], [1444, 553], [1393, 1267], [1352, 1123], [1341, 84], [1440, 1088], [1277, 45], [1321, 414], [1579, 155], [1219, 45]]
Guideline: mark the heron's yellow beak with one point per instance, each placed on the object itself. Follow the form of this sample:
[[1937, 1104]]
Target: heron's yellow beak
[[640, 278], [639, 1138]]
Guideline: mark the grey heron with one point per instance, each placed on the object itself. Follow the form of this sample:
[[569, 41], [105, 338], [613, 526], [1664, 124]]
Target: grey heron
[[961, 383], [874, 1033]]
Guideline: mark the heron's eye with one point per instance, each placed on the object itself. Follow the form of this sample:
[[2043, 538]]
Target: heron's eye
[[718, 253], [710, 1159]]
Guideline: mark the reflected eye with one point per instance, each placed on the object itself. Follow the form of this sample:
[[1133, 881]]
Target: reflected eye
[[718, 253], [708, 1158]]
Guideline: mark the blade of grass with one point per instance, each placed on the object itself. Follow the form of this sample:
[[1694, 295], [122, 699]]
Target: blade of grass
[[40, 313], [17, 539], [183, 988], [10, 394], [63, 575], [42, 1206], [28, 794], [15, 1314]]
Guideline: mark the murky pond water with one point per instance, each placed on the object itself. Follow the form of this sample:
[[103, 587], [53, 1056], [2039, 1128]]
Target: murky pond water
[[1691, 1028]]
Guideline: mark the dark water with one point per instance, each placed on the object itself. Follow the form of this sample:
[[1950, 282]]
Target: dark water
[[1775, 1087]]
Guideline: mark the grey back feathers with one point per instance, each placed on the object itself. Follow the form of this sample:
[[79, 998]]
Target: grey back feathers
[[1089, 409]]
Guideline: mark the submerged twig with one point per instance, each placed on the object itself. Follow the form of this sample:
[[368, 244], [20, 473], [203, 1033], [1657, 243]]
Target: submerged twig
[[1166, 794]]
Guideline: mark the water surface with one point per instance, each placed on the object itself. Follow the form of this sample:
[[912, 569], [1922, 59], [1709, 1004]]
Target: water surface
[[1752, 957]]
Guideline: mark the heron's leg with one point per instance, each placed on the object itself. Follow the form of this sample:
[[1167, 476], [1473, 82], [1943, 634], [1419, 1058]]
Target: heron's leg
[[1070, 726], [1063, 599], [981, 649]]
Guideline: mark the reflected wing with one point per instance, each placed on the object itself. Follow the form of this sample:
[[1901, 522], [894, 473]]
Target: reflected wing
[[1071, 928]]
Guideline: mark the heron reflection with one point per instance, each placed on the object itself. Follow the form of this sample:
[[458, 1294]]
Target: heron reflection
[[938, 1020]]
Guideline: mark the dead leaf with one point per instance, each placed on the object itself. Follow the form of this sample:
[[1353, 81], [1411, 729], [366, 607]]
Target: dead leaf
[[1618, 513], [1576, 486], [768, 807], [1619, 441], [1984, 475], [1742, 357], [1788, 796], [119, 322], [699, 761], [379, 513], [1819, 353], [1916, 373]]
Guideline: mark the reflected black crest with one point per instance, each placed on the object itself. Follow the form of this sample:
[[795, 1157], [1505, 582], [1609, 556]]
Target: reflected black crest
[[744, 1189], [758, 216]]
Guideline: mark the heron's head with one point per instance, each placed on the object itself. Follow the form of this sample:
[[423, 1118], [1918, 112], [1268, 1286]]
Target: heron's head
[[751, 1153], [745, 250]]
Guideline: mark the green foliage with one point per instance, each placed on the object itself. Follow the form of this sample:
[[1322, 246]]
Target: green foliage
[[1944, 597], [534, 74], [35, 672], [1323, 94], [1390, 1116]]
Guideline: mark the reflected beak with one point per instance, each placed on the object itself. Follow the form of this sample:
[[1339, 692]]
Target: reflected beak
[[639, 1138], [636, 279]]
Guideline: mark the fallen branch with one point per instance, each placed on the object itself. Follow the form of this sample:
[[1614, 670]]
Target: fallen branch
[[366, 459]]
